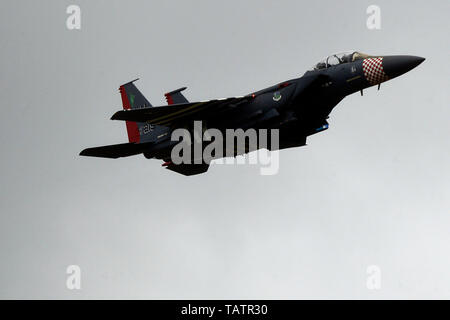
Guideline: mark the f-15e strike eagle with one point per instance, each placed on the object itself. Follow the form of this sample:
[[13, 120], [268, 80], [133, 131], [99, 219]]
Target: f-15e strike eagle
[[298, 108]]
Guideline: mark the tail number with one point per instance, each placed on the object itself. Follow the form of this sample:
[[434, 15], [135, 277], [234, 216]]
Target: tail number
[[146, 129]]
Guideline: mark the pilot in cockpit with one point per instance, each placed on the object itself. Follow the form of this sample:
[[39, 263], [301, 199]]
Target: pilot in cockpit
[[339, 58]]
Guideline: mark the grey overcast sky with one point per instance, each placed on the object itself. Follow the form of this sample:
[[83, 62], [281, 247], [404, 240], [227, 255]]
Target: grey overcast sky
[[372, 190]]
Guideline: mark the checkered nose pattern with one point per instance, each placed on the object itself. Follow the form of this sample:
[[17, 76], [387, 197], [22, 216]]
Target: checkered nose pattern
[[373, 70]]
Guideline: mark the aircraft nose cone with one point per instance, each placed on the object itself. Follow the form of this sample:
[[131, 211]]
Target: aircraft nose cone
[[396, 65]]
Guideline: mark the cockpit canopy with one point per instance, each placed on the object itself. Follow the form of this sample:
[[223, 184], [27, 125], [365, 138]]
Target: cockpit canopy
[[339, 58]]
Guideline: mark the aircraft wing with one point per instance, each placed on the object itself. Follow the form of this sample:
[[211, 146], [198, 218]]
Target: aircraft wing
[[170, 116]]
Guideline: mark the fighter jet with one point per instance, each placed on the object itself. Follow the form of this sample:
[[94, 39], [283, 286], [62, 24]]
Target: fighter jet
[[298, 108]]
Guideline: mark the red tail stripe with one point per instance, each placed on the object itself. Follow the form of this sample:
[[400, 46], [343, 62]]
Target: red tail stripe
[[169, 98], [132, 128]]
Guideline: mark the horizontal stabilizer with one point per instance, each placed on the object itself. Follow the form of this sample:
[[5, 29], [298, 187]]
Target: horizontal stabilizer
[[115, 150]]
